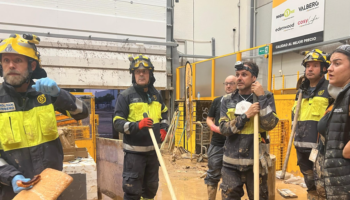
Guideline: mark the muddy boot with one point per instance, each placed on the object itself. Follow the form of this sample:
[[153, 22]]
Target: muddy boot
[[212, 191]]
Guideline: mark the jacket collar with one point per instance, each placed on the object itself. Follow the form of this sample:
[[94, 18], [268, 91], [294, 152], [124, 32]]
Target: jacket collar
[[318, 86], [12, 92], [343, 92]]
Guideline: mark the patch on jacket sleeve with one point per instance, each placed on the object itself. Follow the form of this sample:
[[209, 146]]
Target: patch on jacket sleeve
[[320, 93], [135, 100], [6, 107], [338, 110]]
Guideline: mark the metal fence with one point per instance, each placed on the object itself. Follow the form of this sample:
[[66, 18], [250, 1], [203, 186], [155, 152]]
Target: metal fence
[[208, 75]]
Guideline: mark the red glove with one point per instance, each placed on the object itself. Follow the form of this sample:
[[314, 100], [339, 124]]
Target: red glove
[[162, 134], [146, 123], [215, 128]]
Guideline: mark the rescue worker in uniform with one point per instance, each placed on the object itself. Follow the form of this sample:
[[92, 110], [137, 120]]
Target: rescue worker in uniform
[[314, 103], [237, 123], [216, 151], [141, 166], [29, 141]]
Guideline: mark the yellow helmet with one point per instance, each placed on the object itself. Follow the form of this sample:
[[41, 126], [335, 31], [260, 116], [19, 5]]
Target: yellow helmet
[[140, 61], [315, 55], [25, 46]]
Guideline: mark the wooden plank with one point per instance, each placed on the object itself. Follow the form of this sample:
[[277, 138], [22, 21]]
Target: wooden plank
[[50, 186], [109, 161], [188, 99], [190, 128], [271, 178]]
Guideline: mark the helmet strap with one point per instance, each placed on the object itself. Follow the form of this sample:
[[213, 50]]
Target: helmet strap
[[1, 71], [323, 72], [30, 71]]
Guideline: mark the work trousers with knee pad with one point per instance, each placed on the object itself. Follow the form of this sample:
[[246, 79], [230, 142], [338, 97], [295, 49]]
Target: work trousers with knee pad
[[215, 156], [306, 168], [233, 180], [140, 175]]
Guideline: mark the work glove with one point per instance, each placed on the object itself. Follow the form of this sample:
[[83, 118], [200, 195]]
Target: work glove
[[145, 123], [162, 134], [264, 157], [17, 189], [304, 85], [215, 128], [47, 86]]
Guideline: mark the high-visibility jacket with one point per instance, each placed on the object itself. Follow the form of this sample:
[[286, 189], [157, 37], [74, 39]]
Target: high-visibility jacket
[[313, 106], [129, 110], [29, 140], [239, 149]]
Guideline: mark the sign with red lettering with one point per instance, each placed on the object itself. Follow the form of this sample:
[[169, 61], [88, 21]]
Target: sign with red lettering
[[296, 23]]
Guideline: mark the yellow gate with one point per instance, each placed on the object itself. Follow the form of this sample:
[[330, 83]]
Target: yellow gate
[[280, 135], [84, 130]]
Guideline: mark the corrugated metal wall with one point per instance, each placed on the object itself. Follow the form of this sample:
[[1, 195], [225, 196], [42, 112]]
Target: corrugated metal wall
[[146, 10], [143, 18], [100, 65], [75, 63]]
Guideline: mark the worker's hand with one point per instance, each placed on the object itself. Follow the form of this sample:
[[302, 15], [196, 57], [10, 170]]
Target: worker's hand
[[47, 86], [17, 189], [162, 134], [253, 110], [146, 123], [257, 89], [215, 128]]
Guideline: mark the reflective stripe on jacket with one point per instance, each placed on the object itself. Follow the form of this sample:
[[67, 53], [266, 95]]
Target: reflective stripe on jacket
[[311, 111], [28, 133], [238, 149], [129, 110]]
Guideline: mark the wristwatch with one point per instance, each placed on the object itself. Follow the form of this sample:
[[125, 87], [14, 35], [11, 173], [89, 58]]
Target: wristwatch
[[244, 117]]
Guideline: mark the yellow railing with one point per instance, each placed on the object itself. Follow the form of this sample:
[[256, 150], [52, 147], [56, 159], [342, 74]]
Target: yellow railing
[[89, 142], [213, 62], [190, 143], [273, 84], [281, 91]]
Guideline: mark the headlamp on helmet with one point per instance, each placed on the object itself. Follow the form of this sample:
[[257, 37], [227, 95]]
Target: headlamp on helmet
[[25, 46], [33, 39]]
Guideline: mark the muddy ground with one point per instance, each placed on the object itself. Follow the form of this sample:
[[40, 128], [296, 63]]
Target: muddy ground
[[185, 174], [188, 184], [186, 179]]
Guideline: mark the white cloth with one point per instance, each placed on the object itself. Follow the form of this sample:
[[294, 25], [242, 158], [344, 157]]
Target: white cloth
[[242, 107], [334, 91]]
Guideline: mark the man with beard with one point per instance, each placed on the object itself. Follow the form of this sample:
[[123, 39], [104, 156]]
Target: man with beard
[[237, 123], [141, 166], [216, 149], [315, 100], [29, 141]]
